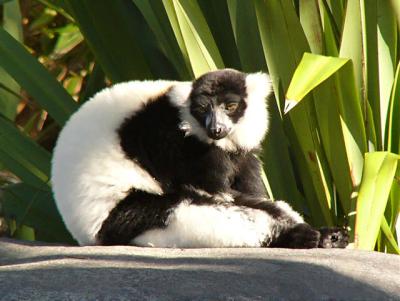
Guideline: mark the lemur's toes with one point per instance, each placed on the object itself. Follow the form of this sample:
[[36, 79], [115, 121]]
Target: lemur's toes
[[333, 238]]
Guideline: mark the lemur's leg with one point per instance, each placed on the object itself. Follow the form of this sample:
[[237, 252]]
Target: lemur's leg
[[290, 230], [185, 220]]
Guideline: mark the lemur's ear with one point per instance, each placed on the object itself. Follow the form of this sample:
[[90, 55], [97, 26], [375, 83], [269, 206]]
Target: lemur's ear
[[258, 85]]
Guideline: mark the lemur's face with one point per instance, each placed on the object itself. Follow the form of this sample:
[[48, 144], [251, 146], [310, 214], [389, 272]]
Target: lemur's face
[[218, 101]]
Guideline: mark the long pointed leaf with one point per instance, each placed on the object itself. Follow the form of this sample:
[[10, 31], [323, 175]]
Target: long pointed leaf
[[35, 79], [312, 71]]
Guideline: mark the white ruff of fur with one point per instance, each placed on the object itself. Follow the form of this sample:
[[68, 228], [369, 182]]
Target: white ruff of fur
[[90, 173], [192, 226], [249, 131]]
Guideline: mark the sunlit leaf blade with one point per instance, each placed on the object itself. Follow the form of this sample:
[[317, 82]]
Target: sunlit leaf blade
[[387, 55], [22, 156], [333, 141], [351, 45], [389, 236], [156, 17], [396, 8], [173, 21], [35, 79], [369, 20], [330, 38], [393, 209], [200, 44], [312, 71], [69, 37], [379, 171], [37, 209]]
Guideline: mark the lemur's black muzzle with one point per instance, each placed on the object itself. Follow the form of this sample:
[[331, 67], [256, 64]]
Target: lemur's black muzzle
[[215, 129]]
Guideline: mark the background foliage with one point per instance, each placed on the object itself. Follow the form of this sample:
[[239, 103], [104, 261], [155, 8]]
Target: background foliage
[[333, 147]]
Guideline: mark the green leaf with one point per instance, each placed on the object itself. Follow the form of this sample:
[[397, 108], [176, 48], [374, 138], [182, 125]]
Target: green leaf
[[37, 209], [311, 23], [218, 19], [277, 162], [12, 23], [369, 20], [387, 55], [389, 236], [202, 50], [392, 139], [312, 71], [351, 45], [35, 79], [120, 48], [69, 37], [249, 47], [277, 21], [379, 171], [156, 17], [22, 156], [331, 40]]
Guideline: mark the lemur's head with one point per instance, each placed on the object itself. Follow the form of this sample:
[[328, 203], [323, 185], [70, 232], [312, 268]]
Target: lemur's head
[[228, 108], [217, 101]]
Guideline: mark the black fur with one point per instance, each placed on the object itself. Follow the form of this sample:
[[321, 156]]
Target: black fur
[[184, 165], [300, 236]]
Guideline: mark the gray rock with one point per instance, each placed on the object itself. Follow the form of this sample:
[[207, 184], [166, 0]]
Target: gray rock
[[31, 271]]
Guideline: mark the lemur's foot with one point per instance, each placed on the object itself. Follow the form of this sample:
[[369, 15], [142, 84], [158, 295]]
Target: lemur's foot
[[333, 238], [300, 236]]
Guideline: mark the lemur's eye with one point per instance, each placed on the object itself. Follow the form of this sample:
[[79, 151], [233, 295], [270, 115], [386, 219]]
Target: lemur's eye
[[231, 107], [201, 109]]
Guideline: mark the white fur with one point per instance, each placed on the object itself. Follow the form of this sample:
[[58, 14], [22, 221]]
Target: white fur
[[289, 211], [90, 172], [193, 226]]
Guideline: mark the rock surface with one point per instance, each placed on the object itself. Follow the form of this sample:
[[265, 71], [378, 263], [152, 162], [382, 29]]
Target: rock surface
[[31, 271]]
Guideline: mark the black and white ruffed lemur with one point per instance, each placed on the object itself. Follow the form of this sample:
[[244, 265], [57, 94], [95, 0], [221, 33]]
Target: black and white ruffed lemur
[[174, 164]]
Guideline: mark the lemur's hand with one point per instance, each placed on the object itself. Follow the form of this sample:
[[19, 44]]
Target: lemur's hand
[[335, 237]]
